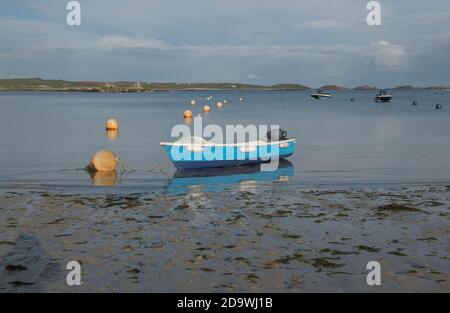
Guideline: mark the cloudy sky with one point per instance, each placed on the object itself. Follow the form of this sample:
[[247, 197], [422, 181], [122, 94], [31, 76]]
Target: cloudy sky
[[313, 42]]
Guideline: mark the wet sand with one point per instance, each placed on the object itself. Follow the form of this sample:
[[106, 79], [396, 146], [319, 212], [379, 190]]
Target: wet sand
[[245, 239]]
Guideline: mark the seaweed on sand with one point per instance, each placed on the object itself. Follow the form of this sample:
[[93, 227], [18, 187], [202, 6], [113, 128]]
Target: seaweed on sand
[[15, 268], [321, 263], [394, 207], [297, 256], [336, 252], [368, 249]]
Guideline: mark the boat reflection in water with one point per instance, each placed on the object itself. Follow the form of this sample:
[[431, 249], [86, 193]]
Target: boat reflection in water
[[219, 179], [103, 179]]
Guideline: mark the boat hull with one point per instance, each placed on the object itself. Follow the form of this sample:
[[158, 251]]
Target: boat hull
[[320, 96], [184, 165], [185, 157], [383, 98]]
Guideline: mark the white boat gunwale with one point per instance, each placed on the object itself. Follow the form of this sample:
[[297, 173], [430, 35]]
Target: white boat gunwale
[[209, 144]]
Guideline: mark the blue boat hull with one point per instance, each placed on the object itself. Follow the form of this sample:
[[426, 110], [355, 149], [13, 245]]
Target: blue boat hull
[[222, 163], [227, 156]]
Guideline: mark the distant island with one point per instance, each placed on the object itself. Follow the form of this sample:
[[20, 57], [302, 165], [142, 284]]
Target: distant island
[[38, 84]]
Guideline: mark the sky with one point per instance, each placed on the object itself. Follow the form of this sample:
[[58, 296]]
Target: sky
[[311, 42]]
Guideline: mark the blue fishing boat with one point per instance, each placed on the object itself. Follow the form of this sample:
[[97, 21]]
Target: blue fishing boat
[[196, 152]]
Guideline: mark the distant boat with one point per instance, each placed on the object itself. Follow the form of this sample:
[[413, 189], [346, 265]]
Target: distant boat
[[196, 152], [383, 96], [321, 95]]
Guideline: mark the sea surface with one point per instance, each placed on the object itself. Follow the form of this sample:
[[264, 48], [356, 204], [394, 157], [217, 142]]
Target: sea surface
[[47, 138], [368, 182]]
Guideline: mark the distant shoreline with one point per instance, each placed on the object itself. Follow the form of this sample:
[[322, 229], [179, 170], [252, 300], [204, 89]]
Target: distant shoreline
[[38, 84]]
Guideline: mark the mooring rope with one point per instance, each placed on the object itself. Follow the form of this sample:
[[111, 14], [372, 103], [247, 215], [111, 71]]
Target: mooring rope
[[124, 167], [161, 166]]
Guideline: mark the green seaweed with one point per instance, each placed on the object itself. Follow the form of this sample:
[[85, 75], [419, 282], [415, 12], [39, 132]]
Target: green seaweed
[[394, 207], [324, 263], [368, 249], [15, 268]]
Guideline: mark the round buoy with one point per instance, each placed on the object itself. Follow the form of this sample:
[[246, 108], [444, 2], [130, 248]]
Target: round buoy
[[102, 160], [219, 105], [438, 106], [224, 101], [187, 114], [414, 103], [241, 99], [193, 102], [112, 124], [206, 108]]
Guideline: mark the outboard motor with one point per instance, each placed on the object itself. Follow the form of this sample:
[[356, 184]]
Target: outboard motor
[[276, 135]]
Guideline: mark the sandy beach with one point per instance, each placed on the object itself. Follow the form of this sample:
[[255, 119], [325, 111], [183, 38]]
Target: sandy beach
[[240, 240]]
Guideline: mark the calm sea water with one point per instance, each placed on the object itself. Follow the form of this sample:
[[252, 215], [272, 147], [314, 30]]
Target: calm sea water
[[47, 138]]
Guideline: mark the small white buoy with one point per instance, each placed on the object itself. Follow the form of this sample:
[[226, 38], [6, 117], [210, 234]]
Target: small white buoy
[[193, 102], [219, 105], [224, 101], [241, 99], [112, 124], [206, 108], [102, 160]]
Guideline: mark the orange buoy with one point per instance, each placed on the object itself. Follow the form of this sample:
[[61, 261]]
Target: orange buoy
[[112, 124], [206, 108], [187, 114], [219, 105], [102, 160]]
